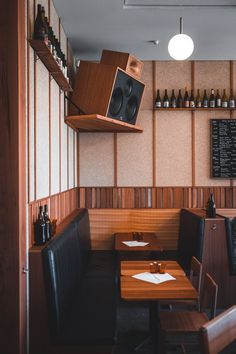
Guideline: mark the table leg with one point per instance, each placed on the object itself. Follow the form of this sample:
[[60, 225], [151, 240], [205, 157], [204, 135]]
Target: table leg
[[154, 318]]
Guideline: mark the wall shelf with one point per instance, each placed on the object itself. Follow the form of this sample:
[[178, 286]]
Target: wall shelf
[[194, 109], [51, 64], [98, 123]]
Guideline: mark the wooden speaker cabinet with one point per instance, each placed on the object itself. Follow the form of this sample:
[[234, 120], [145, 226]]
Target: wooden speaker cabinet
[[107, 90], [125, 61]]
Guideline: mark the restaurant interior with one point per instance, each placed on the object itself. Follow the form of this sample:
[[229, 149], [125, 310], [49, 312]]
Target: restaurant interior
[[118, 168]]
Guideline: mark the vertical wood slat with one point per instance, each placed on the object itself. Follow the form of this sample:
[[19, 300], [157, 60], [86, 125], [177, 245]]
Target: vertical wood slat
[[154, 122]]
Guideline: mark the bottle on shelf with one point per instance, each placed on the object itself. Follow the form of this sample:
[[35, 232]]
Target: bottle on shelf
[[186, 99], [198, 99], [224, 102], [46, 26], [218, 99], [40, 30], [179, 100], [173, 102], [205, 101], [212, 102], [231, 99], [47, 222], [191, 100], [211, 207], [166, 101], [158, 100], [40, 234]]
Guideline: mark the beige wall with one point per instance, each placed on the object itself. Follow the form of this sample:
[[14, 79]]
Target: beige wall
[[174, 149]]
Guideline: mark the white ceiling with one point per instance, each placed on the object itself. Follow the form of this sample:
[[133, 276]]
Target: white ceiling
[[94, 25]]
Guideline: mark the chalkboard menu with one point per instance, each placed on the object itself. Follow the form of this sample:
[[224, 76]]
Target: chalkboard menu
[[223, 148]]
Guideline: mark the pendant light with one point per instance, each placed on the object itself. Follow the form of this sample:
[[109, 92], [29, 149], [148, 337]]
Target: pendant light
[[180, 46]]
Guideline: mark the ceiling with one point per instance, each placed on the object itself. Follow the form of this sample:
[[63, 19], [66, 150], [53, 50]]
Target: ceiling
[[94, 25]]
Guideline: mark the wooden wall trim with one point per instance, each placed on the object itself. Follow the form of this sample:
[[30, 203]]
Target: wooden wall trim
[[154, 123]]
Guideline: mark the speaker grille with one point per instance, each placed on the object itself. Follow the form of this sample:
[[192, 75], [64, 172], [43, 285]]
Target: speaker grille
[[116, 101]]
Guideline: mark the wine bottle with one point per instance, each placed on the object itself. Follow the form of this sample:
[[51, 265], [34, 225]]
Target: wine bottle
[[45, 26], [40, 229], [211, 207], [179, 100], [39, 26], [173, 102], [205, 100], [158, 100], [166, 101], [191, 100], [224, 102], [198, 99], [47, 222], [218, 99], [212, 101], [186, 99], [231, 99]]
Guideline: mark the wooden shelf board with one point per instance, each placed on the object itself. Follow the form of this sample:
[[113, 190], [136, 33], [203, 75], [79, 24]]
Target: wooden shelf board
[[48, 60], [195, 109], [98, 123]]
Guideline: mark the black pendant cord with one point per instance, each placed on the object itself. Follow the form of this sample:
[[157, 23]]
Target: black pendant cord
[[75, 105]]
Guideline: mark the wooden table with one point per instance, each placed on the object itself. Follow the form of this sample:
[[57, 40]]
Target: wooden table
[[133, 289], [150, 237]]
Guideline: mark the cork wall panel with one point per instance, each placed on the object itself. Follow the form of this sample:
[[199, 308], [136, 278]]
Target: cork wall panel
[[76, 154], [31, 147], [71, 158], [55, 166], [173, 149], [54, 20], [96, 156], [202, 148], [42, 131], [64, 147], [134, 154], [147, 78], [63, 41]]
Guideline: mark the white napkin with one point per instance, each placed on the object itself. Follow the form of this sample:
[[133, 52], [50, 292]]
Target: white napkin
[[154, 278], [135, 243]]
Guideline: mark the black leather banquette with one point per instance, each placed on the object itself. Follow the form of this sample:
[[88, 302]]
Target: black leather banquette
[[81, 287]]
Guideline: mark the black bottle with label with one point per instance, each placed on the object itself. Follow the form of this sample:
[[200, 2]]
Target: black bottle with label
[[40, 235], [158, 100], [173, 101], [211, 207], [47, 222], [40, 31], [179, 100]]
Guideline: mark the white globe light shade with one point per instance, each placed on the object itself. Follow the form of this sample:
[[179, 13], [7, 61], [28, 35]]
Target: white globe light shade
[[180, 46]]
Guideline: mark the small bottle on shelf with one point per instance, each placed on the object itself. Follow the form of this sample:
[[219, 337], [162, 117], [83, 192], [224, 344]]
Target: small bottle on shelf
[[179, 100], [211, 207], [212, 102], [205, 101], [224, 102], [218, 99], [191, 100], [166, 101], [45, 26], [158, 100], [40, 235], [47, 222], [186, 99], [173, 102], [231, 99], [198, 99], [39, 26]]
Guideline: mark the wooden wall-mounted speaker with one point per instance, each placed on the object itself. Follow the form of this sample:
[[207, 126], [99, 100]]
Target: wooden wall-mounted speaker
[[107, 90], [125, 61]]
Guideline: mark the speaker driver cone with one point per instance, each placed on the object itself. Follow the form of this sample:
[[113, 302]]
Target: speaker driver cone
[[116, 101], [131, 108], [128, 87]]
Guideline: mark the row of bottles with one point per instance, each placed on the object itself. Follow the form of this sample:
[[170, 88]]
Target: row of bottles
[[43, 31], [200, 101], [43, 227]]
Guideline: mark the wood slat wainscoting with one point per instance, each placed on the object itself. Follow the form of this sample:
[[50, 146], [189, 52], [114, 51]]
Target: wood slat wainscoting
[[105, 222], [59, 206], [154, 197]]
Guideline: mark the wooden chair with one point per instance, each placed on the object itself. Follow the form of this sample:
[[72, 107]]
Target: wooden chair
[[183, 326], [218, 333]]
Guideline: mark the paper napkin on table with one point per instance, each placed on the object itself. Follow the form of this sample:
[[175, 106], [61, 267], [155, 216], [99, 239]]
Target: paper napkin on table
[[135, 243], [154, 278]]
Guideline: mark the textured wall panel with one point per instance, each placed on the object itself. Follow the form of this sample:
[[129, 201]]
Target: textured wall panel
[[134, 155], [54, 20], [55, 171], [64, 147], [147, 78], [63, 41], [31, 151], [71, 157], [96, 159], [75, 161], [173, 149]]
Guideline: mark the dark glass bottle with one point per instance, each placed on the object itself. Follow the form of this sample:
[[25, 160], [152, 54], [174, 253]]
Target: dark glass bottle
[[173, 102], [218, 99], [186, 99], [166, 101], [158, 100], [198, 99], [231, 100], [224, 102], [205, 101], [179, 100], [47, 222], [39, 26], [212, 101], [191, 100], [211, 207], [40, 235]]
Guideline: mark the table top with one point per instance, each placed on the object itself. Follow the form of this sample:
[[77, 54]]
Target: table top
[[150, 237], [134, 289]]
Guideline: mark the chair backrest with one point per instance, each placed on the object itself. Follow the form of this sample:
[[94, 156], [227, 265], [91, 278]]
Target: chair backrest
[[209, 296], [195, 274], [218, 333]]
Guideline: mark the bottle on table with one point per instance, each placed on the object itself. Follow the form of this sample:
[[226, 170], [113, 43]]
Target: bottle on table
[[47, 222], [231, 99], [173, 102], [198, 99], [218, 99], [40, 234], [191, 100], [212, 101], [166, 101], [211, 207], [179, 100], [205, 101], [158, 100], [186, 99], [40, 29], [224, 102]]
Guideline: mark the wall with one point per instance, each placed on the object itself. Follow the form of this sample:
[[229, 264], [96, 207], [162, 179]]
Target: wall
[[52, 145]]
